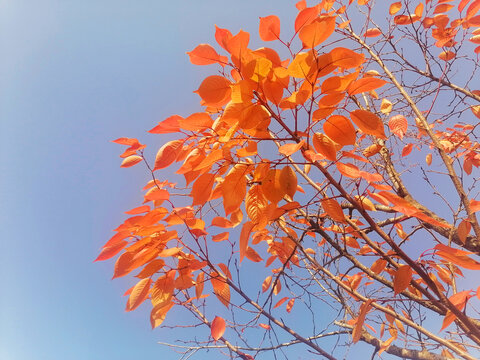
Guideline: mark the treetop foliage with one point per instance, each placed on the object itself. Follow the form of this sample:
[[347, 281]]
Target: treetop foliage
[[329, 190]]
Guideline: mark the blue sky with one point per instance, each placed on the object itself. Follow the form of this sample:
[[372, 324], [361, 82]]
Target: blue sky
[[75, 75]]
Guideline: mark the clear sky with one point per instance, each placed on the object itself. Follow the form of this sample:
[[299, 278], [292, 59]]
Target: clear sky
[[73, 76]]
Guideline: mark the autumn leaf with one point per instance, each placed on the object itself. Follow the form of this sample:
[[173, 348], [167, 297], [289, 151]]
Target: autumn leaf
[[357, 329], [368, 122], [167, 154], [221, 289], [364, 85], [398, 125], [340, 129], [333, 209], [317, 31], [131, 160], [205, 54], [402, 278], [217, 328], [395, 7], [289, 149], [139, 294], [269, 28], [325, 146], [215, 90]]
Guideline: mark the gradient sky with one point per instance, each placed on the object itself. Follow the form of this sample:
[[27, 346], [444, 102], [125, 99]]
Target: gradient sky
[[75, 75]]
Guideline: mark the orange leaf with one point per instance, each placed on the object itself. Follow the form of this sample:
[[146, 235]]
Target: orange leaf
[[325, 146], [446, 55], [288, 181], [398, 125], [156, 194], [158, 314], [139, 294], [373, 32], [252, 255], [167, 154], [266, 283], [346, 58], [222, 36], [221, 289], [110, 251], [459, 260], [272, 187], [372, 150], [473, 9], [255, 205], [234, 189], [169, 125], [199, 284], [122, 265], [333, 209], [348, 170], [138, 210], [131, 160], [220, 237], [357, 330], [317, 32], [196, 122], [217, 328], [280, 302], [442, 8], [369, 123], [474, 205], [269, 28], [151, 268], [463, 230], [395, 7], [340, 129], [365, 84], [289, 149], [402, 278], [215, 90], [428, 159], [205, 54], [244, 236], [264, 326], [305, 17], [202, 189], [290, 305]]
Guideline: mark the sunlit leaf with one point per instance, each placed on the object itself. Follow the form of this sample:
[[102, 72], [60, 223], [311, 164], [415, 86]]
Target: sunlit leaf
[[269, 28], [218, 328]]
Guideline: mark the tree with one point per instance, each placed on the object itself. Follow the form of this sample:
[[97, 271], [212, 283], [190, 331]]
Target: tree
[[329, 188]]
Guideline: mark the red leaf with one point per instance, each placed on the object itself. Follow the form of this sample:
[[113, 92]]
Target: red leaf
[[407, 149]]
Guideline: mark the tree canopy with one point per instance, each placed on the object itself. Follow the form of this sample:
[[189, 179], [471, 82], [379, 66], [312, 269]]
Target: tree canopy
[[325, 193]]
